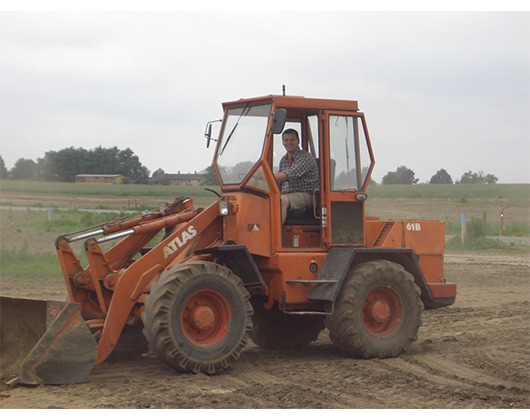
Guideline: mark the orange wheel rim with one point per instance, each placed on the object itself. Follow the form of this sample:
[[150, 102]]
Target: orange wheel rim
[[382, 312], [205, 318]]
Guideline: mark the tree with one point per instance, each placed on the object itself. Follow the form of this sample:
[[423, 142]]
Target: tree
[[402, 175], [478, 178], [209, 177], [129, 165], [241, 169], [160, 177], [3, 170], [158, 173], [490, 179], [65, 164], [441, 177], [25, 169]]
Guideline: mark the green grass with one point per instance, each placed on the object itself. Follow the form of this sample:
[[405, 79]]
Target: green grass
[[23, 231], [492, 229], [459, 191], [481, 244], [479, 237], [20, 263], [123, 190]]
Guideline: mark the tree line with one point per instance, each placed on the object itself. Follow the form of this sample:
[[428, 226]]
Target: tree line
[[404, 175], [65, 164]]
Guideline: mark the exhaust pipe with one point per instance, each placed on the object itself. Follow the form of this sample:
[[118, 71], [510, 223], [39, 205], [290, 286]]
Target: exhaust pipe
[[44, 342]]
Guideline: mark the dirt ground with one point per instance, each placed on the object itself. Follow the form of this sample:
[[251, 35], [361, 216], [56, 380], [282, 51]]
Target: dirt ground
[[474, 354]]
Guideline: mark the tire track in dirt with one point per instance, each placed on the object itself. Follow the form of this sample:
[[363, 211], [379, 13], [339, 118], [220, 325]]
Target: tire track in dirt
[[468, 374], [435, 375], [285, 385]]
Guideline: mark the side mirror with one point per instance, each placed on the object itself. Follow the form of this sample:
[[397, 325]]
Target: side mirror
[[278, 120], [208, 132]]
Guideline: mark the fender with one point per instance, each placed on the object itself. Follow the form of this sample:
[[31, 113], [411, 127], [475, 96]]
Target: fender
[[238, 259], [340, 260]]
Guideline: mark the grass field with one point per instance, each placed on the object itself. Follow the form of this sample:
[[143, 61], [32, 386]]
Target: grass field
[[458, 191], [33, 214], [103, 190]]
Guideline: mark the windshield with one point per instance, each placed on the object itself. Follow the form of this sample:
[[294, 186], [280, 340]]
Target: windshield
[[241, 141]]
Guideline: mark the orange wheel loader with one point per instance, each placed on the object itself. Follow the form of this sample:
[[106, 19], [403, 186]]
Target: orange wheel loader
[[193, 285]]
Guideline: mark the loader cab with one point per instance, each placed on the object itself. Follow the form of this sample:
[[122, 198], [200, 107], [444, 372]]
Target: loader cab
[[248, 152]]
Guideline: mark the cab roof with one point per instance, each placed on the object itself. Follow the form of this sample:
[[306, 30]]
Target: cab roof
[[300, 102]]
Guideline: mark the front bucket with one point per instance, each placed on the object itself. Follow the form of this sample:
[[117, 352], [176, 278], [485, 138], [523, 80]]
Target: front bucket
[[44, 342]]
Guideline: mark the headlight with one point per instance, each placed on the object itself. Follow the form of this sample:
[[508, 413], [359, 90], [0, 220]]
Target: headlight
[[228, 206], [224, 208]]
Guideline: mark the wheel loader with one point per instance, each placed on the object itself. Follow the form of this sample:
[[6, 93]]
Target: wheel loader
[[194, 285]]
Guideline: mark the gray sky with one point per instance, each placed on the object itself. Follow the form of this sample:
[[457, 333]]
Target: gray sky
[[439, 89]]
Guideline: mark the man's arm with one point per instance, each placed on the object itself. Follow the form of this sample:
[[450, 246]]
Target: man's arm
[[280, 176]]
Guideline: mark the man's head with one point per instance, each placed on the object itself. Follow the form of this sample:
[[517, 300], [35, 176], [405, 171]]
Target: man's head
[[290, 140]]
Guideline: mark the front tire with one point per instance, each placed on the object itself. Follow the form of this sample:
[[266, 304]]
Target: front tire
[[377, 312], [197, 317]]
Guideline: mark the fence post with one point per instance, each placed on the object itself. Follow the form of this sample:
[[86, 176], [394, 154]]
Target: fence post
[[463, 227]]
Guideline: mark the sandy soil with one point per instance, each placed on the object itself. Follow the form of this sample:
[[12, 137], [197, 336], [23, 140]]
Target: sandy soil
[[474, 354]]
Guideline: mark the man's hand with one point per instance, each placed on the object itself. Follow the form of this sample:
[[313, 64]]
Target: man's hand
[[280, 176]]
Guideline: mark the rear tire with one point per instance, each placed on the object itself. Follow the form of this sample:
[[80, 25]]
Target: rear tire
[[197, 317], [274, 329], [377, 312]]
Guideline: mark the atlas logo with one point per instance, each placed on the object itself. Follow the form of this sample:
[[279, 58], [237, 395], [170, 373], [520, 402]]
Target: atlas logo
[[179, 241]]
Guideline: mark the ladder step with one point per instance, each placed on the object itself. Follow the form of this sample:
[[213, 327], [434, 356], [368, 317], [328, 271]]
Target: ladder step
[[311, 281], [306, 313]]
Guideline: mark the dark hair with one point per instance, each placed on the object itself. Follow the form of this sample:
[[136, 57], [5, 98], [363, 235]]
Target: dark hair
[[291, 131]]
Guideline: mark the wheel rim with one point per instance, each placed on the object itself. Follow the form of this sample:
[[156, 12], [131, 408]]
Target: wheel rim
[[205, 318], [382, 312]]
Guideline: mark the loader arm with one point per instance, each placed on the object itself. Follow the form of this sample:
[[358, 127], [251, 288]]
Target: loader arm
[[105, 296], [121, 254], [134, 283], [145, 227], [107, 265]]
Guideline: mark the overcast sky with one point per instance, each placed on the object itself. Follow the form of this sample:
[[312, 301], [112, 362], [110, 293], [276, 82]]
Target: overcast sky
[[439, 89]]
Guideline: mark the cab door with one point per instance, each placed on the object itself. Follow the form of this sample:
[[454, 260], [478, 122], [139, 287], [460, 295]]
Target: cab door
[[346, 164]]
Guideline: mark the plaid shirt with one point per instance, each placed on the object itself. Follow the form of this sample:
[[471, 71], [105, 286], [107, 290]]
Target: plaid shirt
[[302, 173]]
